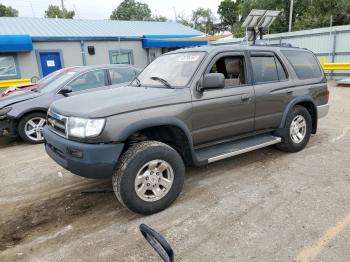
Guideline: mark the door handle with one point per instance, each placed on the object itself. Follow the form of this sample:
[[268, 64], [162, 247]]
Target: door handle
[[289, 92], [245, 98]]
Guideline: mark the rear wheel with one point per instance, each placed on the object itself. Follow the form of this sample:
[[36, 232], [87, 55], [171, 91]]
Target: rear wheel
[[297, 131], [30, 128], [149, 177]]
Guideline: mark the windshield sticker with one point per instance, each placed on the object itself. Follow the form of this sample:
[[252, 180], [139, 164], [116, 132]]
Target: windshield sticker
[[188, 58]]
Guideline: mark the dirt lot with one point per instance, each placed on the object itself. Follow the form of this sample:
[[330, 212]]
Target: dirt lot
[[261, 206]]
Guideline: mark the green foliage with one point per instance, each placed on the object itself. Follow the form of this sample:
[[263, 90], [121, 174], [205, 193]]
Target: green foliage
[[203, 20], [132, 11], [54, 11], [8, 11], [158, 18], [307, 14]]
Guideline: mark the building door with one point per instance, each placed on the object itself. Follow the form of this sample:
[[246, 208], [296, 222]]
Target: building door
[[50, 62]]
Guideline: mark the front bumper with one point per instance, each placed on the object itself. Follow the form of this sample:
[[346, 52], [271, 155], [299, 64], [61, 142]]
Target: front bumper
[[86, 160], [322, 110]]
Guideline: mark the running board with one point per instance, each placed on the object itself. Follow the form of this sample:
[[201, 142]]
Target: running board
[[229, 149]]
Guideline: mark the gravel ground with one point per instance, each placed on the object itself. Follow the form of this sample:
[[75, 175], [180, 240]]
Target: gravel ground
[[262, 206]]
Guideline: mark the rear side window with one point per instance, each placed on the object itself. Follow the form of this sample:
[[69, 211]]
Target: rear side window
[[121, 75], [304, 64], [264, 69]]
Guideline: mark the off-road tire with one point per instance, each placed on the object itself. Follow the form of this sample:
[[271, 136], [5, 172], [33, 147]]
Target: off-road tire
[[21, 127], [131, 162], [288, 145]]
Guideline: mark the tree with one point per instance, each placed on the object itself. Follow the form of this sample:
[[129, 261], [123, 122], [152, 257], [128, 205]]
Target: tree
[[8, 11], [182, 19], [132, 10], [203, 20], [53, 11], [229, 14], [158, 18]]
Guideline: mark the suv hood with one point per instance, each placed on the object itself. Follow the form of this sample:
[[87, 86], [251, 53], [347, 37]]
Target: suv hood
[[13, 99], [118, 100]]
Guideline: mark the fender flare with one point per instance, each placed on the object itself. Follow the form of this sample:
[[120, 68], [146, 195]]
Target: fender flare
[[295, 101], [161, 121]]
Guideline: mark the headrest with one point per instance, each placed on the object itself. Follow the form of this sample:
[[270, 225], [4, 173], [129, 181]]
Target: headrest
[[233, 66]]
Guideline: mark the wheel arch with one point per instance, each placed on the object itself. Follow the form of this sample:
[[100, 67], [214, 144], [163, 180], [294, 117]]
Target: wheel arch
[[309, 104], [171, 131]]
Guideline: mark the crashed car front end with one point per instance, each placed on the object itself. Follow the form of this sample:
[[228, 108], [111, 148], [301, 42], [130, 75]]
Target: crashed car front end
[[7, 125]]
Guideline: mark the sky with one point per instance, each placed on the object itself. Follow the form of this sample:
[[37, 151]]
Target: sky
[[101, 9]]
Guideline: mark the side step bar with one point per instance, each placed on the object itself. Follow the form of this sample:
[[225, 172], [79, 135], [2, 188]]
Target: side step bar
[[229, 149]]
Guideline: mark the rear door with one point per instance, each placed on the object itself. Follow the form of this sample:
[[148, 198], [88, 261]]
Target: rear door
[[50, 62], [273, 89]]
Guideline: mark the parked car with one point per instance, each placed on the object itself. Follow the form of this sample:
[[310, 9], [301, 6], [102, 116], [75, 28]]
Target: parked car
[[189, 107], [18, 89], [25, 113]]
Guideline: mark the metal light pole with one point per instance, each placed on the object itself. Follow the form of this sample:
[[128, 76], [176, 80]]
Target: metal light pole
[[62, 5], [290, 15]]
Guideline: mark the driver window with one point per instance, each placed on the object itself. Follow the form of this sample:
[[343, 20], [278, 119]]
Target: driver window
[[89, 80], [232, 67]]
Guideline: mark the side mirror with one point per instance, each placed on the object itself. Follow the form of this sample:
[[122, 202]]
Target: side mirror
[[65, 90], [212, 81], [159, 244]]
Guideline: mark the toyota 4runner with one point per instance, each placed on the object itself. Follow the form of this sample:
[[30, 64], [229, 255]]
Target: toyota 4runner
[[189, 107]]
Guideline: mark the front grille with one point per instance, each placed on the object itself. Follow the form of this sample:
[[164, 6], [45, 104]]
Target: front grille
[[57, 123]]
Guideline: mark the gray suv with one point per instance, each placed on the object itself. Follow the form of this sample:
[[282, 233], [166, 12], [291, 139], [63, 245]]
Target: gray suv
[[189, 107]]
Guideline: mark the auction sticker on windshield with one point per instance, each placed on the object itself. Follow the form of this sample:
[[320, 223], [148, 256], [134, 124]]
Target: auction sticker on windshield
[[188, 58]]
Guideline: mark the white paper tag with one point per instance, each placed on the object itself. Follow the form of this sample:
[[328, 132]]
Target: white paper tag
[[50, 63], [188, 58]]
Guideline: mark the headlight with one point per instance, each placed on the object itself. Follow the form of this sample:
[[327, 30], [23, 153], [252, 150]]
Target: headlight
[[4, 111], [81, 127]]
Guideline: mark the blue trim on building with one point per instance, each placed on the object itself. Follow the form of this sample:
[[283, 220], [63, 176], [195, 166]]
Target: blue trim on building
[[37, 54], [159, 41], [18, 71], [15, 43], [130, 52]]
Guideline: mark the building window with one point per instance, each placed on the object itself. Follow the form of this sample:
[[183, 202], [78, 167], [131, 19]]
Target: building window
[[8, 67], [122, 56]]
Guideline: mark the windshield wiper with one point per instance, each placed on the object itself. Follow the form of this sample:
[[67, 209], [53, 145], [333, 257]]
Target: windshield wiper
[[162, 80]]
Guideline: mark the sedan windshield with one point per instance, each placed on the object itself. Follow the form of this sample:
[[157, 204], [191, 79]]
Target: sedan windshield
[[172, 70]]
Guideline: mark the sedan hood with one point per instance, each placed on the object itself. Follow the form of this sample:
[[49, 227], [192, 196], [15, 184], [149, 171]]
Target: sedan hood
[[13, 99], [118, 100]]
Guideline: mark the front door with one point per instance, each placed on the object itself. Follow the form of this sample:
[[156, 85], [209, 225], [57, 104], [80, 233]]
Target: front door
[[224, 113], [50, 62]]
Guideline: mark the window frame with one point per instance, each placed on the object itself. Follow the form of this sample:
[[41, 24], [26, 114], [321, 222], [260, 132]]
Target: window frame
[[129, 52], [228, 54], [18, 72], [269, 53]]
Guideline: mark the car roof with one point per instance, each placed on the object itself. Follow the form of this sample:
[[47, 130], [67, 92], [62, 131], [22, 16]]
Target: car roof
[[235, 47], [91, 67]]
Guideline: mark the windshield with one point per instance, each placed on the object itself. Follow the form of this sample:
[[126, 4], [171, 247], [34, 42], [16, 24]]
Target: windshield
[[176, 69], [53, 81]]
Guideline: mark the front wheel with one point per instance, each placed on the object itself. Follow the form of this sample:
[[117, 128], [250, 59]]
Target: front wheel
[[149, 177], [297, 131], [30, 128]]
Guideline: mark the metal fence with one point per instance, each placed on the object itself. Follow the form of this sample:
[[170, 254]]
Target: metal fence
[[333, 43]]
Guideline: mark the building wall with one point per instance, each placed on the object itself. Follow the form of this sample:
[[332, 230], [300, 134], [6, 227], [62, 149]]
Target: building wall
[[102, 49], [72, 56]]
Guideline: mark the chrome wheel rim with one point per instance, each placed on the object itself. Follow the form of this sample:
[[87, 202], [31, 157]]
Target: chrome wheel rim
[[298, 129], [154, 180], [34, 128]]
